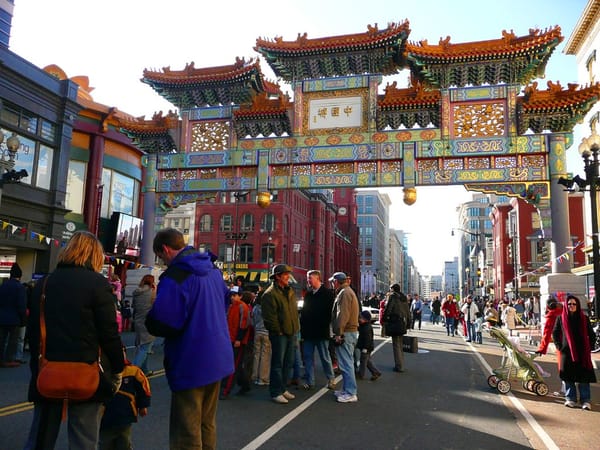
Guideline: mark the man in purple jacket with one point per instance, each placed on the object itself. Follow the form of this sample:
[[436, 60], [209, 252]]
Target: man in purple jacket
[[190, 312]]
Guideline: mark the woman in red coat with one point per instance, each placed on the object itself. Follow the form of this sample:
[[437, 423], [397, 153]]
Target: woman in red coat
[[574, 337], [450, 312]]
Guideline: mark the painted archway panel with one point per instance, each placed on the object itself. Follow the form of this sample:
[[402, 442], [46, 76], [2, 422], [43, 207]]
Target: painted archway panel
[[389, 158]]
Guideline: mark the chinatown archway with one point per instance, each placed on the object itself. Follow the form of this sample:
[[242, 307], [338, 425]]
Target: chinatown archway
[[472, 115]]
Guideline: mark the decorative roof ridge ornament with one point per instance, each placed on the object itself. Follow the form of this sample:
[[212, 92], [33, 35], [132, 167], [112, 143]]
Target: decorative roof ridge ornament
[[508, 39], [302, 40], [264, 101], [190, 70], [555, 92], [158, 122], [417, 91]]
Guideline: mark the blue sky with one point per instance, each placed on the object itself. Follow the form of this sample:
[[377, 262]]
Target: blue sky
[[114, 41]]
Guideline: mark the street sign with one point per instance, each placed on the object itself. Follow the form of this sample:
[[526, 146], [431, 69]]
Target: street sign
[[236, 236]]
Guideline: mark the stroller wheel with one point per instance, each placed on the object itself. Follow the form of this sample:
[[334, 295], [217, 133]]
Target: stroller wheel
[[503, 386], [492, 381], [540, 389], [530, 385]]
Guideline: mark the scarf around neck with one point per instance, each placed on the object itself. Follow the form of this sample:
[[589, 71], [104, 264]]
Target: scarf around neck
[[584, 358]]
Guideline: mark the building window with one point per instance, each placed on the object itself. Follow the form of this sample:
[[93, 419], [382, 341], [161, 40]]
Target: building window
[[37, 136], [225, 253], [226, 223], [206, 223], [36, 159], [267, 253], [75, 186], [247, 223], [268, 222], [120, 193], [246, 253], [44, 167], [204, 247], [594, 123], [589, 65]]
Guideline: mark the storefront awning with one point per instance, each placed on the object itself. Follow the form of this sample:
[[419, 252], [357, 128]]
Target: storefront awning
[[253, 276]]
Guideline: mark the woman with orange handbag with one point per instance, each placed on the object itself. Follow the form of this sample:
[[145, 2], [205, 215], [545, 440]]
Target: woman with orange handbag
[[79, 323]]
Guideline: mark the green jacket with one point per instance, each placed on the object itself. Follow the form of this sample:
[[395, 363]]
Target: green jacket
[[280, 310]]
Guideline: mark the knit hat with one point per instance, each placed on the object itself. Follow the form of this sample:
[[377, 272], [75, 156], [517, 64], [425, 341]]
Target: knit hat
[[366, 315], [15, 271]]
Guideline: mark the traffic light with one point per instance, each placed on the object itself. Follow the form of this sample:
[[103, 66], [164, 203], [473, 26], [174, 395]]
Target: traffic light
[[478, 272]]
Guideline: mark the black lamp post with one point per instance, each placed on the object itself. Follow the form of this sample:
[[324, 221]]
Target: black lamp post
[[237, 235], [589, 149]]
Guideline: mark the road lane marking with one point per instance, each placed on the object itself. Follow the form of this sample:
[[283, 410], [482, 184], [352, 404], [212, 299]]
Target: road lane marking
[[277, 426], [28, 406], [537, 428], [16, 408]]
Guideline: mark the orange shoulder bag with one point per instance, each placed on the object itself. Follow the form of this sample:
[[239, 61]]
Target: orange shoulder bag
[[64, 380]]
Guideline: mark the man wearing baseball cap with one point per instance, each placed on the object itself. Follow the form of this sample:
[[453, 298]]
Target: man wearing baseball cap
[[344, 323], [280, 315]]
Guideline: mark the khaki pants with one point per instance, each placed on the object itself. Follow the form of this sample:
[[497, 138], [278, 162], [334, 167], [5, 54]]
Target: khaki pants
[[193, 421], [262, 358], [398, 352]]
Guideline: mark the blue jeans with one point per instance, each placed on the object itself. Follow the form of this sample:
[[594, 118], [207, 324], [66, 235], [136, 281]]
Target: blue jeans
[[450, 325], [297, 366], [282, 361], [584, 391], [470, 331], [308, 347], [83, 425], [345, 357], [141, 356], [19, 356]]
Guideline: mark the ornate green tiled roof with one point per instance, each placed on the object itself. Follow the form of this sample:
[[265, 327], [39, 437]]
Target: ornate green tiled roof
[[212, 86], [375, 51], [510, 59]]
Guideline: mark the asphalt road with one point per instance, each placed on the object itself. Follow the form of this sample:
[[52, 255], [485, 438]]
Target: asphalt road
[[442, 401]]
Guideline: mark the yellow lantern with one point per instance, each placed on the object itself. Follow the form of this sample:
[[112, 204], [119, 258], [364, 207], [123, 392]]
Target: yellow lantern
[[263, 199], [410, 195]]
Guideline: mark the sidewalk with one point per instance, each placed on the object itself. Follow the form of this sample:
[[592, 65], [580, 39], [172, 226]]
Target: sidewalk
[[566, 427]]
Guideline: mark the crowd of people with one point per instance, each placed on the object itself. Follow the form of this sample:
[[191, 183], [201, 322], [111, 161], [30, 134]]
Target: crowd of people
[[219, 338]]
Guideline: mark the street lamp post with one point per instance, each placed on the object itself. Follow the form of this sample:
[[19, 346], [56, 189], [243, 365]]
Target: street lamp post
[[589, 149], [476, 246], [237, 235]]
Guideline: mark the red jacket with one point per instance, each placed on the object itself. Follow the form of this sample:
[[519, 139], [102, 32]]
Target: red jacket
[[450, 309], [238, 320], [550, 320]]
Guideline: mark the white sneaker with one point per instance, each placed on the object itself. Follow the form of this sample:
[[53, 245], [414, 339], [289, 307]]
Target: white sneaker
[[339, 393], [570, 404], [586, 406], [347, 398], [280, 399], [288, 395]]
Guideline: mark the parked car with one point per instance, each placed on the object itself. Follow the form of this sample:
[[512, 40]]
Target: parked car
[[374, 313]]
